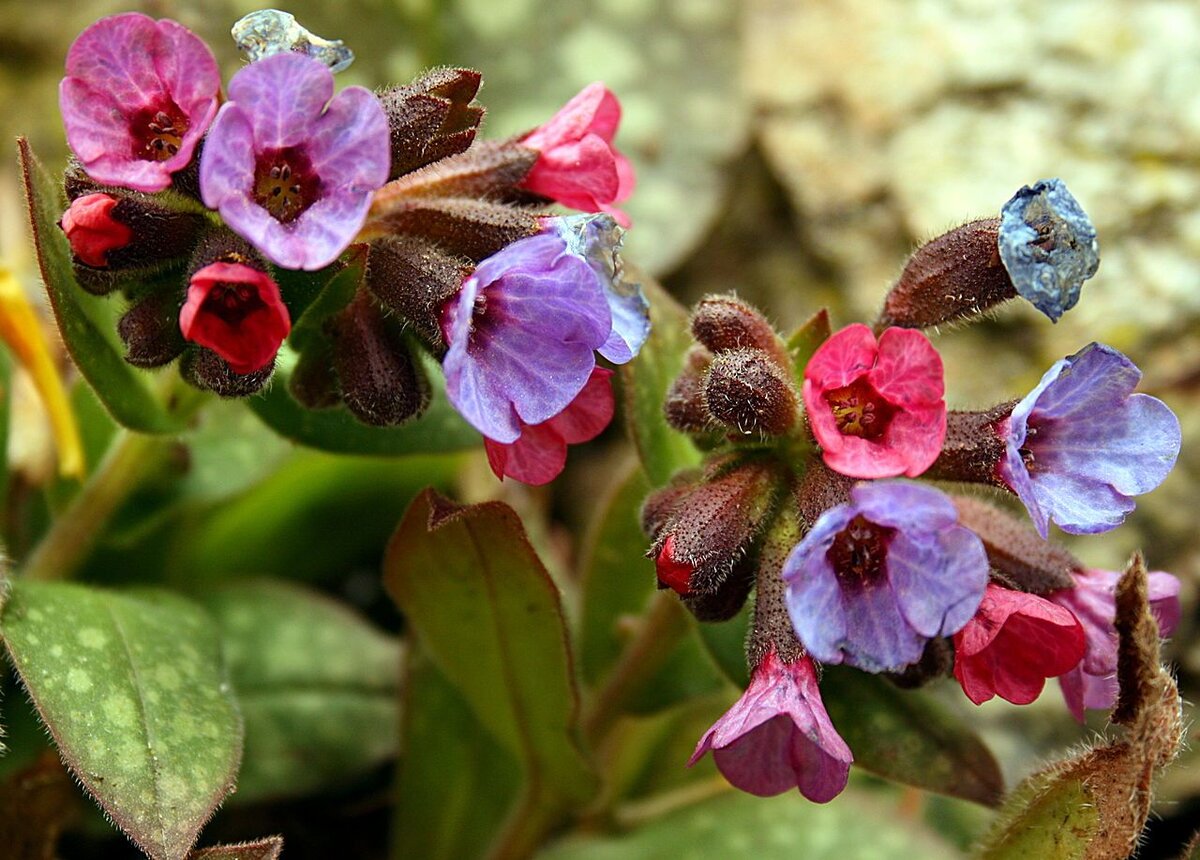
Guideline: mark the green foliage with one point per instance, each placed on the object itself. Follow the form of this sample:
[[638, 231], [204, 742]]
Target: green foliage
[[318, 688], [131, 687]]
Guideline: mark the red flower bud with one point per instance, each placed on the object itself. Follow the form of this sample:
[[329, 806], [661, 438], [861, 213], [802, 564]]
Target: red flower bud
[[92, 230], [673, 574], [236, 311]]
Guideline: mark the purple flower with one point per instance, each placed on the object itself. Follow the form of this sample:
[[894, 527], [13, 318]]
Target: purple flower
[[522, 335], [290, 167], [138, 96], [1082, 443], [778, 736], [1093, 683], [880, 575]]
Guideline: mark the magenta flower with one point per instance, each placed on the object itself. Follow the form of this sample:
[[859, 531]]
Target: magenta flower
[[879, 576], [92, 231], [577, 164], [1081, 444], [778, 736], [540, 453], [876, 408], [290, 166], [1013, 644], [138, 96], [1093, 683], [522, 335], [236, 311]]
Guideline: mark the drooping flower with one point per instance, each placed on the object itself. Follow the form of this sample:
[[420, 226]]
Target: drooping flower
[[290, 166], [522, 335], [1013, 644], [540, 452], [880, 575], [1093, 683], [1048, 245], [778, 735], [236, 311], [1081, 444], [138, 96], [92, 231], [577, 164], [876, 408]]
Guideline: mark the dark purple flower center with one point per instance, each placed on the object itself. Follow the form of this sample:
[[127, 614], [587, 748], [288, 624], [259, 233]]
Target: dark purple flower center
[[232, 303], [859, 551], [158, 131], [859, 410], [285, 183]]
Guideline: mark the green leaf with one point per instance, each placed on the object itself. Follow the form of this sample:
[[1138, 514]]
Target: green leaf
[[130, 686], [803, 342], [908, 736], [455, 783], [489, 616], [86, 322], [1046, 818], [260, 849], [856, 826], [318, 688], [440, 430], [645, 381], [229, 450]]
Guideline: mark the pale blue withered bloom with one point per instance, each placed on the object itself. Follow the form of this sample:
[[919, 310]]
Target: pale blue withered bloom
[[1081, 444], [1048, 245], [880, 575]]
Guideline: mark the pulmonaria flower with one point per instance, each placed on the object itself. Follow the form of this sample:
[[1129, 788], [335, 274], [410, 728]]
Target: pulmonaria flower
[[138, 96], [1082, 443], [577, 164], [879, 576], [236, 311], [1093, 683], [672, 572], [778, 735], [522, 335], [1048, 245], [291, 167], [92, 231], [876, 408], [1013, 644], [540, 452]]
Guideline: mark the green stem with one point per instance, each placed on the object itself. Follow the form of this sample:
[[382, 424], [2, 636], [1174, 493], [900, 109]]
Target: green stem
[[526, 829], [660, 628]]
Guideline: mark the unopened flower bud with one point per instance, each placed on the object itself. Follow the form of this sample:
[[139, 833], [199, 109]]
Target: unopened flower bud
[[726, 322], [685, 408], [92, 231], [953, 277], [150, 329], [313, 382], [747, 391], [729, 598], [461, 226], [415, 279], [662, 504], [431, 118], [489, 170], [673, 573], [380, 380], [1019, 556]]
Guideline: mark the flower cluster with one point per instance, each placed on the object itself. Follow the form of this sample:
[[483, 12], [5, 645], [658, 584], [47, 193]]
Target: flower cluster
[[374, 223], [807, 500]]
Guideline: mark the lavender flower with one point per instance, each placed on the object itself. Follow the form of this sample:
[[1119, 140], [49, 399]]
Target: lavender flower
[[880, 575], [138, 96], [291, 169], [1082, 443], [1048, 245], [522, 335]]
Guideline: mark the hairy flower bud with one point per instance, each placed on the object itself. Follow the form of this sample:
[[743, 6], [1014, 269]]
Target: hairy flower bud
[[662, 504], [206, 370], [415, 279], [685, 408], [314, 382], [730, 596], [461, 226], [747, 391], [726, 322], [150, 329], [431, 118], [1019, 556], [973, 447]]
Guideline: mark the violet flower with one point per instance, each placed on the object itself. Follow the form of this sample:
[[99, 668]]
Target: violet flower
[[778, 736], [290, 166], [1082, 443], [1093, 683], [138, 96], [522, 335], [880, 575]]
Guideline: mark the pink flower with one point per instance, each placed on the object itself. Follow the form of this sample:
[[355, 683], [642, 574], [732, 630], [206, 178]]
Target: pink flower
[[577, 164], [92, 231], [1093, 683], [1013, 644], [778, 735], [876, 409], [138, 96], [236, 311], [540, 451]]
